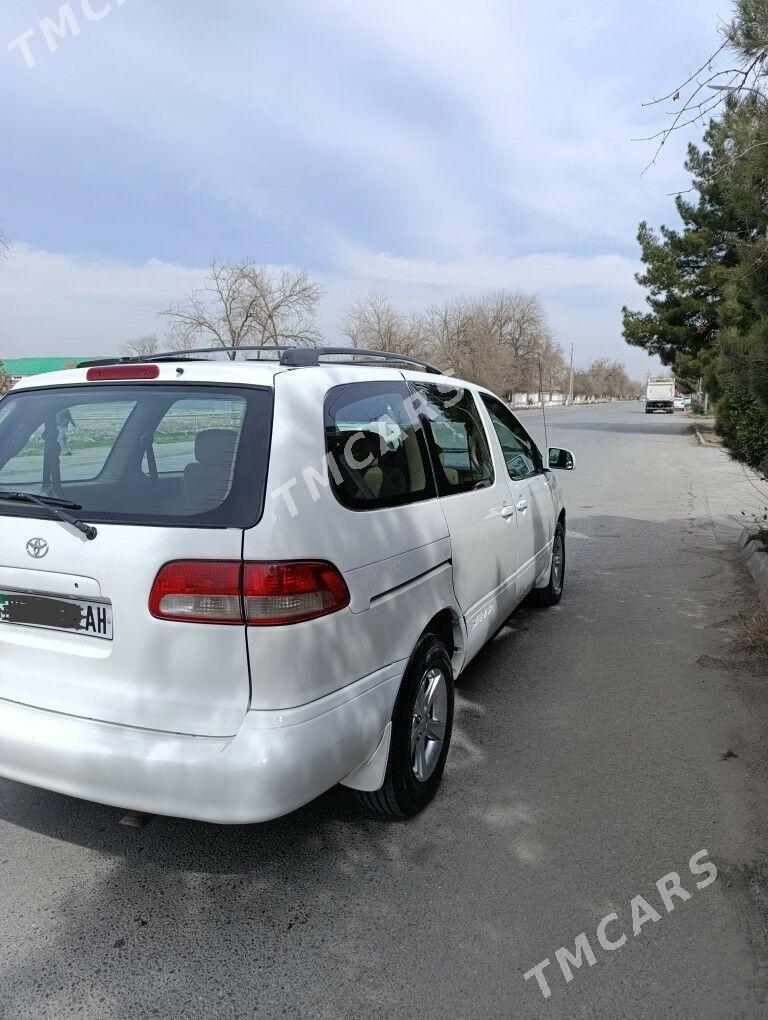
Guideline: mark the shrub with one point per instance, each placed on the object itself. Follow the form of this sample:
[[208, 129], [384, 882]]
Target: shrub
[[742, 424]]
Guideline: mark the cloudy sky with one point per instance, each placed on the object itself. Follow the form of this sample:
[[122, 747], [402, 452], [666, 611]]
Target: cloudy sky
[[420, 147]]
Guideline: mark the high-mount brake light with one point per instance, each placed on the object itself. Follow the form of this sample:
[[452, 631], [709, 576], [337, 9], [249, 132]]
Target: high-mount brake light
[[257, 594], [117, 373]]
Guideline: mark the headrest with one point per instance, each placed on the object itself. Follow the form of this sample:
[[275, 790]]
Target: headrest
[[215, 446], [364, 446]]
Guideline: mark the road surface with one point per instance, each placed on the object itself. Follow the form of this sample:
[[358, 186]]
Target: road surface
[[599, 746]]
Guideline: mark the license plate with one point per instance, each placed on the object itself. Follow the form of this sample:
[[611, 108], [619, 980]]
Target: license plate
[[76, 616]]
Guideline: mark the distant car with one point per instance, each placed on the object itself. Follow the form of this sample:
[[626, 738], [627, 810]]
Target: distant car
[[679, 404]]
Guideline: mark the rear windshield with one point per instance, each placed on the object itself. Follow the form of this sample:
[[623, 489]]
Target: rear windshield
[[172, 454]]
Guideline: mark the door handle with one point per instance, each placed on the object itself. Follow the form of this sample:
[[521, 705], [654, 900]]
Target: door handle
[[507, 511], [522, 505]]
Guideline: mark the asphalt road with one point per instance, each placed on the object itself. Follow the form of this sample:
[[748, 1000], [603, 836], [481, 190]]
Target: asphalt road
[[587, 764]]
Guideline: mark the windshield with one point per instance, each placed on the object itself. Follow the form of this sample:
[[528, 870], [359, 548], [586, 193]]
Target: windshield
[[147, 454]]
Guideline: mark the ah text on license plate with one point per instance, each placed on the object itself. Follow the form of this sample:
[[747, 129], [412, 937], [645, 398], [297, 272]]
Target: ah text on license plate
[[77, 616]]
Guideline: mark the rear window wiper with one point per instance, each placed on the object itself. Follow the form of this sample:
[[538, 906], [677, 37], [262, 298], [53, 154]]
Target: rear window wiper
[[31, 497], [58, 508]]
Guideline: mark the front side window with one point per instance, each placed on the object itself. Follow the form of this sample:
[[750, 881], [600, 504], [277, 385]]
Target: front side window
[[460, 451], [376, 448], [147, 453], [521, 454]]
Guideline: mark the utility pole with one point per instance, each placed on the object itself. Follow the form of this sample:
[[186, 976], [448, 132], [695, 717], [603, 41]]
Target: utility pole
[[570, 380]]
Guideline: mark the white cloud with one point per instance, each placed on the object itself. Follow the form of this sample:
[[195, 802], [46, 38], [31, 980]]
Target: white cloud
[[541, 272], [58, 304], [461, 129], [451, 146]]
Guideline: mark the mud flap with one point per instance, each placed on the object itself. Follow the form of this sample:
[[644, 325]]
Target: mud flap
[[370, 776]]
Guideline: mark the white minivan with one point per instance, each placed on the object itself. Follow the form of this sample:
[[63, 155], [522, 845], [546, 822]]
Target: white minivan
[[227, 586]]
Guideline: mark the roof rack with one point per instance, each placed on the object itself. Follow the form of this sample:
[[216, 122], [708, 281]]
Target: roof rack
[[303, 357], [290, 357], [183, 355]]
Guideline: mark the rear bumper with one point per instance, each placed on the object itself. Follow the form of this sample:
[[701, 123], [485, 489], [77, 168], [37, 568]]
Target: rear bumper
[[277, 762]]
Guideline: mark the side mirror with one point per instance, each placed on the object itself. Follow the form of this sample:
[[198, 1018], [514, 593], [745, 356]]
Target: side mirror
[[561, 460]]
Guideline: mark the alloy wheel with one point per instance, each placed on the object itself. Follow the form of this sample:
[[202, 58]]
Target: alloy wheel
[[430, 714]]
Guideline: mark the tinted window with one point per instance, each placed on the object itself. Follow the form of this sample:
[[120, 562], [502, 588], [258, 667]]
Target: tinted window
[[85, 434], [175, 439], [460, 452], [521, 454], [376, 448], [150, 453]]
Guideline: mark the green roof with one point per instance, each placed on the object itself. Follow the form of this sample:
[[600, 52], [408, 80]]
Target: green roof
[[36, 366]]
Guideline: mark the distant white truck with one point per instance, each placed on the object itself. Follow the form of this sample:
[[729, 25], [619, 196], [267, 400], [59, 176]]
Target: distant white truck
[[660, 395]]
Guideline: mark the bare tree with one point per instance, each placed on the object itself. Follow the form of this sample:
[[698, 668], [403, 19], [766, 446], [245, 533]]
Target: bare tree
[[737, 68], [604, 378], [552, 368], [501, 339], [6, 382], [520, 324], [462, 342], [518, 320], [244, 304], [141, 346], [373, 323], [496, 340]]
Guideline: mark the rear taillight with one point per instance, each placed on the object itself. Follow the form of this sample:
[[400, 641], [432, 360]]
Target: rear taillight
[[198, 592], [259, 594], [277, 593]]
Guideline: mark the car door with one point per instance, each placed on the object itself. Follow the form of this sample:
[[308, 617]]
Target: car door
[[529, 485], [478, 508]]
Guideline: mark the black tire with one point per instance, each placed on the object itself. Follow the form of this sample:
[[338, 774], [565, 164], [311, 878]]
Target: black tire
[[403, 794], [552, 594]]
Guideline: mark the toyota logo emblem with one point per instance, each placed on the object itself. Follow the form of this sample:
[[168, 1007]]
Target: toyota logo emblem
[[37, 548]]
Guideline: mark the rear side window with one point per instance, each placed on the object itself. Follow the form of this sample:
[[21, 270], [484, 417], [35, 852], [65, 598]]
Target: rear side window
[[140, 453], [521, 455], [460, 451], [376, 447]]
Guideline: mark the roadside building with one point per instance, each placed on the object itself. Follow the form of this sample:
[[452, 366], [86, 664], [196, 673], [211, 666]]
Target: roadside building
[[22, 368]]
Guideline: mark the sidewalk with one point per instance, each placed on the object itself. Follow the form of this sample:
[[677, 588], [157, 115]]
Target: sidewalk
[[735, 494]]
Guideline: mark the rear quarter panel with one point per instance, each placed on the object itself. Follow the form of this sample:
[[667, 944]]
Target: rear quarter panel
[[396, 561]]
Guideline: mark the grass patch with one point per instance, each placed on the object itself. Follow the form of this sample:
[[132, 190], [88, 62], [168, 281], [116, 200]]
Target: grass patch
[[756, 633]]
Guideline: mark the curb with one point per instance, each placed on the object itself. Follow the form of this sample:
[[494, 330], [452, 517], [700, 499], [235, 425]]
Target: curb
[[700, 435], [755, 557]]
